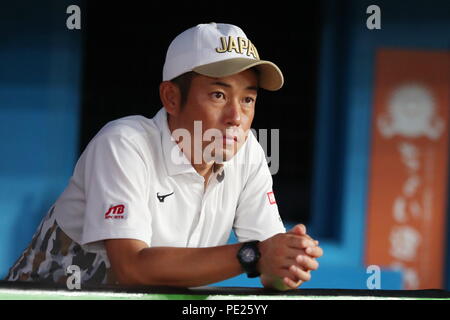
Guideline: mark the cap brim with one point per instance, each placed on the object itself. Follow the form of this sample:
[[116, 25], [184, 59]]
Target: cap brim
[[270, 76]]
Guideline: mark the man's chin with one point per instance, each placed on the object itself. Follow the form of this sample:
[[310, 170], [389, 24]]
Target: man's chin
[[224, 156]]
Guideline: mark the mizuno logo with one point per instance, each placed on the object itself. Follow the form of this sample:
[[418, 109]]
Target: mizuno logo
[[162, 197]]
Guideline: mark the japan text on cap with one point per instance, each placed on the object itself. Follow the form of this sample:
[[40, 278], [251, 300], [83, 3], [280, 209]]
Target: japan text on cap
[[218, 50]]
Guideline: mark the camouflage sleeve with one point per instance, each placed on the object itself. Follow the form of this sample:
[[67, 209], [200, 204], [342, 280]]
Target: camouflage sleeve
[[51, 252]]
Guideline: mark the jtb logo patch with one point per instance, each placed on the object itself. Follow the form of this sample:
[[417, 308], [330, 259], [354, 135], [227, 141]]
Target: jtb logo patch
[[271, 197], [116, 212]]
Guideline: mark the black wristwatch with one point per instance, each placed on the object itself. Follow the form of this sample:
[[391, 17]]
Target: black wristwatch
[[248, 256]]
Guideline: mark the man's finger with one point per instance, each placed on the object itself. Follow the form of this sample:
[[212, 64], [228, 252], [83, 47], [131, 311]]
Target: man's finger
[[306, 262], [315, 252], [300, 242], [290, 283], [299, 273], [299, 229]]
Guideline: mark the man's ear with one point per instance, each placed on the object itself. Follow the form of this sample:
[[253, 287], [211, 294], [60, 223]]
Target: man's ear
[[170, 96]]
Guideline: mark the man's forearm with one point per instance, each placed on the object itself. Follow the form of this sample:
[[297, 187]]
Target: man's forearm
[[186, 267], [133, 262]]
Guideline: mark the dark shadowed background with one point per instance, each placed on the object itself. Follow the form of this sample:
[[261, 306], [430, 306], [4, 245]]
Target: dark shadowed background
[[125, 47]]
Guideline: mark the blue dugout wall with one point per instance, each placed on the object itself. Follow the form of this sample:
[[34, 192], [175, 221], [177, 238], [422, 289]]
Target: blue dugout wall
[[40, 87]]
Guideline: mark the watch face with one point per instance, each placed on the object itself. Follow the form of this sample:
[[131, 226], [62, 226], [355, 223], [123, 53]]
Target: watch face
[[248, 255]]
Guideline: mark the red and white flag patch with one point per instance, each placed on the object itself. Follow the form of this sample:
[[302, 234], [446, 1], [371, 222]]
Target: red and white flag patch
[[271, 197]]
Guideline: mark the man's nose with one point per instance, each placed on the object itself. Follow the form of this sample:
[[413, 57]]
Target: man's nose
[[233, 113]]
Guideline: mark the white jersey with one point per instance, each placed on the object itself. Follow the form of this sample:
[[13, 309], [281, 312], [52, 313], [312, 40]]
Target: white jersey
[[129, 184]]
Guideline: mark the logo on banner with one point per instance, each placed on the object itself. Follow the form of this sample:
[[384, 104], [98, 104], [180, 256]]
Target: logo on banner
[[411, 113]]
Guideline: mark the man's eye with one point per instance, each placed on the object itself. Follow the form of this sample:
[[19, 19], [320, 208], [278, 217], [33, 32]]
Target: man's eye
[[249, 100], [218, 95]]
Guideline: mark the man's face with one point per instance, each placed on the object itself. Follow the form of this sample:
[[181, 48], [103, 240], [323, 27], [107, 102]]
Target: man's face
[[226, 107]]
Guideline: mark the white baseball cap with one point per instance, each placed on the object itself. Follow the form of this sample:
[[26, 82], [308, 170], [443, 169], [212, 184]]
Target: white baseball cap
[[218, 50]]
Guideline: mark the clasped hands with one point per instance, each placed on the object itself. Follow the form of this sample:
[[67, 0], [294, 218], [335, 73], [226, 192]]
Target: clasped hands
[[287, 259]]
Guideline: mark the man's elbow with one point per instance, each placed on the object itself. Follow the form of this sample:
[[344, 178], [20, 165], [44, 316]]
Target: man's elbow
[[132, 274], [125, 275]]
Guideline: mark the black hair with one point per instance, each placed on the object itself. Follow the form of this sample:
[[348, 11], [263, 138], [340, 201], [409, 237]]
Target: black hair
[[183, 83]]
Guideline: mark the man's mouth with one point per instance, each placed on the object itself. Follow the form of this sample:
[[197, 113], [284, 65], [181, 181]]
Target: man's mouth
[[229, 139]]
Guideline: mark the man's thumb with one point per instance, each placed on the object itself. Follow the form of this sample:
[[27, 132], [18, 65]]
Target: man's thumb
[[299, 229]]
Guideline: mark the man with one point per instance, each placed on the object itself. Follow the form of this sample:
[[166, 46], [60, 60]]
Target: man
[[153, 201]]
